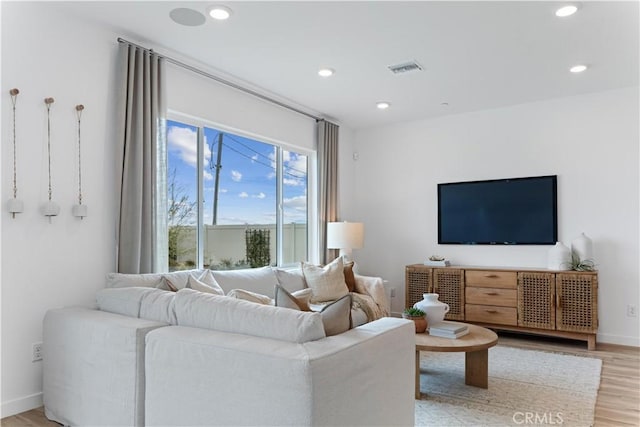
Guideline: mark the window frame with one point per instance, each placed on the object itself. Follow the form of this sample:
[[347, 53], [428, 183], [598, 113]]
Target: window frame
[[312, 203]]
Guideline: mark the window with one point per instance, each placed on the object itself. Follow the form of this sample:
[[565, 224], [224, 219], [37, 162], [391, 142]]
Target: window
[[233, 201]]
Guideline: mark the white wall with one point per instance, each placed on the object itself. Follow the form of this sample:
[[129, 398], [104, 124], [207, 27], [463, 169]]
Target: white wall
[[44, 265], [590, 142]]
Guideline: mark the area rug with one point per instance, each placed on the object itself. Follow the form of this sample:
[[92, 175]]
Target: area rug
[[525, 388]]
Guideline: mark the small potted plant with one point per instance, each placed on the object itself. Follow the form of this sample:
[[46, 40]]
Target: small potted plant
[[418, 317]]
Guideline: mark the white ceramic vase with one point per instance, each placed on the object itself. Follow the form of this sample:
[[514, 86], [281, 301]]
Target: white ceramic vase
[[582, 248], [434, 309], [559, 257]]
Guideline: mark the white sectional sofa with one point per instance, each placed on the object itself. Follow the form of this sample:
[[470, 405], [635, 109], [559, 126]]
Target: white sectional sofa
[[202, 359]]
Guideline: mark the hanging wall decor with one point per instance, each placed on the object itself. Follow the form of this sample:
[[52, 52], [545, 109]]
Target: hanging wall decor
[[15, 205], [79, 210], [50, 208]]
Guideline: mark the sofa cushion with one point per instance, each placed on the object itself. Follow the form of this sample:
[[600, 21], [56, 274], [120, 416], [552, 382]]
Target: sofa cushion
[[298, 300], [208, 311], [159, 306], [326, 282], [258, 280], [124, 301], [250, 296], [151, 280]]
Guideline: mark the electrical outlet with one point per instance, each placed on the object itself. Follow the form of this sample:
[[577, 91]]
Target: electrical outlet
[[36, 351], [632, 310]]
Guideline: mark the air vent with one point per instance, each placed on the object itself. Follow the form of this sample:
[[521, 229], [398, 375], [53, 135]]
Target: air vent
[[405, 67]]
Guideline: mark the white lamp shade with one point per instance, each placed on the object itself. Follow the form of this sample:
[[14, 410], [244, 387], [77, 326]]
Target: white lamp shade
[[345, 235]]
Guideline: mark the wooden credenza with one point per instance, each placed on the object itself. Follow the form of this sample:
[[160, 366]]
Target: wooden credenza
[[538, 301]]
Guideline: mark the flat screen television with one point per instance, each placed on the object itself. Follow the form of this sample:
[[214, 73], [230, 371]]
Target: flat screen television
[[516, 211]]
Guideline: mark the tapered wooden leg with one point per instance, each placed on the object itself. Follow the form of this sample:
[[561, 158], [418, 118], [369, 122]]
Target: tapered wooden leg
[[417, 374], [591, 342], [476, 368]]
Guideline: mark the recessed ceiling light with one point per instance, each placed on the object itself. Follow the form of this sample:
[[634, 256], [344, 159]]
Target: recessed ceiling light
[[219, 12], [326, 72], [383, 105], [566, 11], [186, 16], [578, 68]]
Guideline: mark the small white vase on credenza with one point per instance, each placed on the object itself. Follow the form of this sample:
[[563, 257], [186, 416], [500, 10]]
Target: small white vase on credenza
[[559, 257], [582, 248], [434, 309]]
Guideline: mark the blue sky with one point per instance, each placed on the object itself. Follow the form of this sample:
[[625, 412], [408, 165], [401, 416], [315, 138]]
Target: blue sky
[[247, 189]]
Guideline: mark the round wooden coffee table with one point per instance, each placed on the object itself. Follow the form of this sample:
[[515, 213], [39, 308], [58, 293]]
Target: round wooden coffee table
[[475, 345]]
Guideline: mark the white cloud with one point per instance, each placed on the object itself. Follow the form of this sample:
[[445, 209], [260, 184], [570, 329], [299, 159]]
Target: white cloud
[[236, 176], [184, 141], [243, 195], [294, 182], [260, 195], [295, 202]]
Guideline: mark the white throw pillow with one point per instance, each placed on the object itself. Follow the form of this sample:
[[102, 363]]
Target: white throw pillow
[[327, 282], [201, 286], [250, 296], [292, 280]]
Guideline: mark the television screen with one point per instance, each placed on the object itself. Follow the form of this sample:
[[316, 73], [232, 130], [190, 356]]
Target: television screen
[[517, 211]]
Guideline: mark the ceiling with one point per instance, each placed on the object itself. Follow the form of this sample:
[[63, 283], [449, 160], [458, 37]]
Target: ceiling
[[476, 55]]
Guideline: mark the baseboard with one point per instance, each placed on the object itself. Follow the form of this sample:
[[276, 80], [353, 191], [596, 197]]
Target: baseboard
[[618, 339], [22, 404]]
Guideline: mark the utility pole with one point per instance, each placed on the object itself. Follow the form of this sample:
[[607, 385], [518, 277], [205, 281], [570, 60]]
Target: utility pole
[[218, 166]]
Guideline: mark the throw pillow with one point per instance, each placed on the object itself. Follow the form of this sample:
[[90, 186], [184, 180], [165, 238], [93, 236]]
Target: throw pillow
[[292, 280], [327, 283], [336, 317], [197, 285], [299, 300], [167, 285], [249, 296], [349, 277]]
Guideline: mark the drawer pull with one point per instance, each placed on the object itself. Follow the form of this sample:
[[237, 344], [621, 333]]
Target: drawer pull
[[492, 293], [491, 276], [491, 311]]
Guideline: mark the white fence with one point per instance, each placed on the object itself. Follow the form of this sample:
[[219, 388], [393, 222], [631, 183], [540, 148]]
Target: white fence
[[226, 244]]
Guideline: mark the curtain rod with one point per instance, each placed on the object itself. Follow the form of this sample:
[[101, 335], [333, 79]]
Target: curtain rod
[[223, 81]]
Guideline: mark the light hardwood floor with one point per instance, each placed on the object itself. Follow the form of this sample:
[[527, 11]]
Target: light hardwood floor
[[618, 402]]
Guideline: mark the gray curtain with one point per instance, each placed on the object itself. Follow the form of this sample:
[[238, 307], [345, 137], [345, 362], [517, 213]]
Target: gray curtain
[[328, 184], [141, 163]]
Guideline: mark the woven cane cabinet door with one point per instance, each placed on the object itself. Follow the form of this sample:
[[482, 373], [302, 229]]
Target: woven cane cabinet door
[[418, 281], [449, 285], [536, 300], [577, 302]]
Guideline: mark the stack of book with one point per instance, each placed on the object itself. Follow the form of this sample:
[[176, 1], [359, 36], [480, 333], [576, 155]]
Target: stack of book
[[447, 329]]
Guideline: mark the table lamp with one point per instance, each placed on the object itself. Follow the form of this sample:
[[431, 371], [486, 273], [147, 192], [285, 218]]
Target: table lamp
[[345, 236]]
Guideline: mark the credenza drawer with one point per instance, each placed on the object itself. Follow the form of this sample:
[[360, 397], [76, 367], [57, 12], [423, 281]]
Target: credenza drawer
[[492, 296], [492, 279], [491, 314]]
